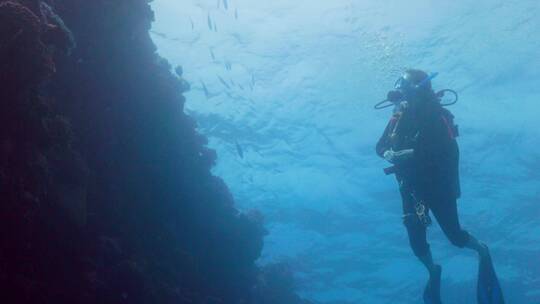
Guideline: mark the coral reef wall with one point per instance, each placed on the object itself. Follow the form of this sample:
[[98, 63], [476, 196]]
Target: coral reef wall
[[106, 194]]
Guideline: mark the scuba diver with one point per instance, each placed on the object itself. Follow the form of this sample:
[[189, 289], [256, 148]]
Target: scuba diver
[[420, 143]]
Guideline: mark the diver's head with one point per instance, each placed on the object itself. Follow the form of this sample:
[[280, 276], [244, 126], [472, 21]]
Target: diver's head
[[413, 86]]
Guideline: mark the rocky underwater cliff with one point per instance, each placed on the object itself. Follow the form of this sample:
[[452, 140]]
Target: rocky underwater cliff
[[106, 194]]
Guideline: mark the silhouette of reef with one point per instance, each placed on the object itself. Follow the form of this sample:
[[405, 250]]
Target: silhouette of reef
[[106, 194]]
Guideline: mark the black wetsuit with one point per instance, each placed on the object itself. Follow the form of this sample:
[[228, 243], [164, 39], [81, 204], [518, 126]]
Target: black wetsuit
[[431, 174]]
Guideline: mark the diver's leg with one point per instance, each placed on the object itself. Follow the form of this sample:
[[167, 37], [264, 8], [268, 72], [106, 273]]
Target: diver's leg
[[478, 246], [488, 288], [417, 233], [432, 291], [445, 211], [418, 241]]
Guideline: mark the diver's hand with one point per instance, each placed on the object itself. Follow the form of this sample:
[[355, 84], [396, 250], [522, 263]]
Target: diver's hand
[[397, 156]]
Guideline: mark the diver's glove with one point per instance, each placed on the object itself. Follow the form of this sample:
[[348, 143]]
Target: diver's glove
[[398, 156]]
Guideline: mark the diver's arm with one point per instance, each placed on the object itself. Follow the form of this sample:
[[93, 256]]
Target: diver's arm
[[384, 143], [395, 157]]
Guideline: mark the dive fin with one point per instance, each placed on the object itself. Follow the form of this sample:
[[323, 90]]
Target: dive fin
[[488, 288]]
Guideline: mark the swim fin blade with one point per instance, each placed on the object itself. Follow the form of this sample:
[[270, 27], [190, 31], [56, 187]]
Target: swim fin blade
[[488, 289]]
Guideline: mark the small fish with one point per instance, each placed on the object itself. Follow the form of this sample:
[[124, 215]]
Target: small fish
[[192, 24], [239, 149], [207, 92], [241, 87], [225, 4], [215, 27], [228, 66], [236, 14], [252, 80], [205, 89], [209, 22], [162, 35], [224, 83], [212, 54]]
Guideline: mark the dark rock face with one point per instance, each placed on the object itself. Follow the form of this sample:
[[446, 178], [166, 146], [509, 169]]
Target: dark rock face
[[106, 194]]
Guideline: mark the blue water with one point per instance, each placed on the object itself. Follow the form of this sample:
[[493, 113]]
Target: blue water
[[301, 78]]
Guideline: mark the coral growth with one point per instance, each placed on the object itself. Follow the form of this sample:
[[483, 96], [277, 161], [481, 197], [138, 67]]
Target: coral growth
[[106, 194], [23, 55]]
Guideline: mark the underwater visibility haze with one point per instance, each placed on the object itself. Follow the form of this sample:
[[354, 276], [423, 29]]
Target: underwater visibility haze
[[224, 151], [284, 91]]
